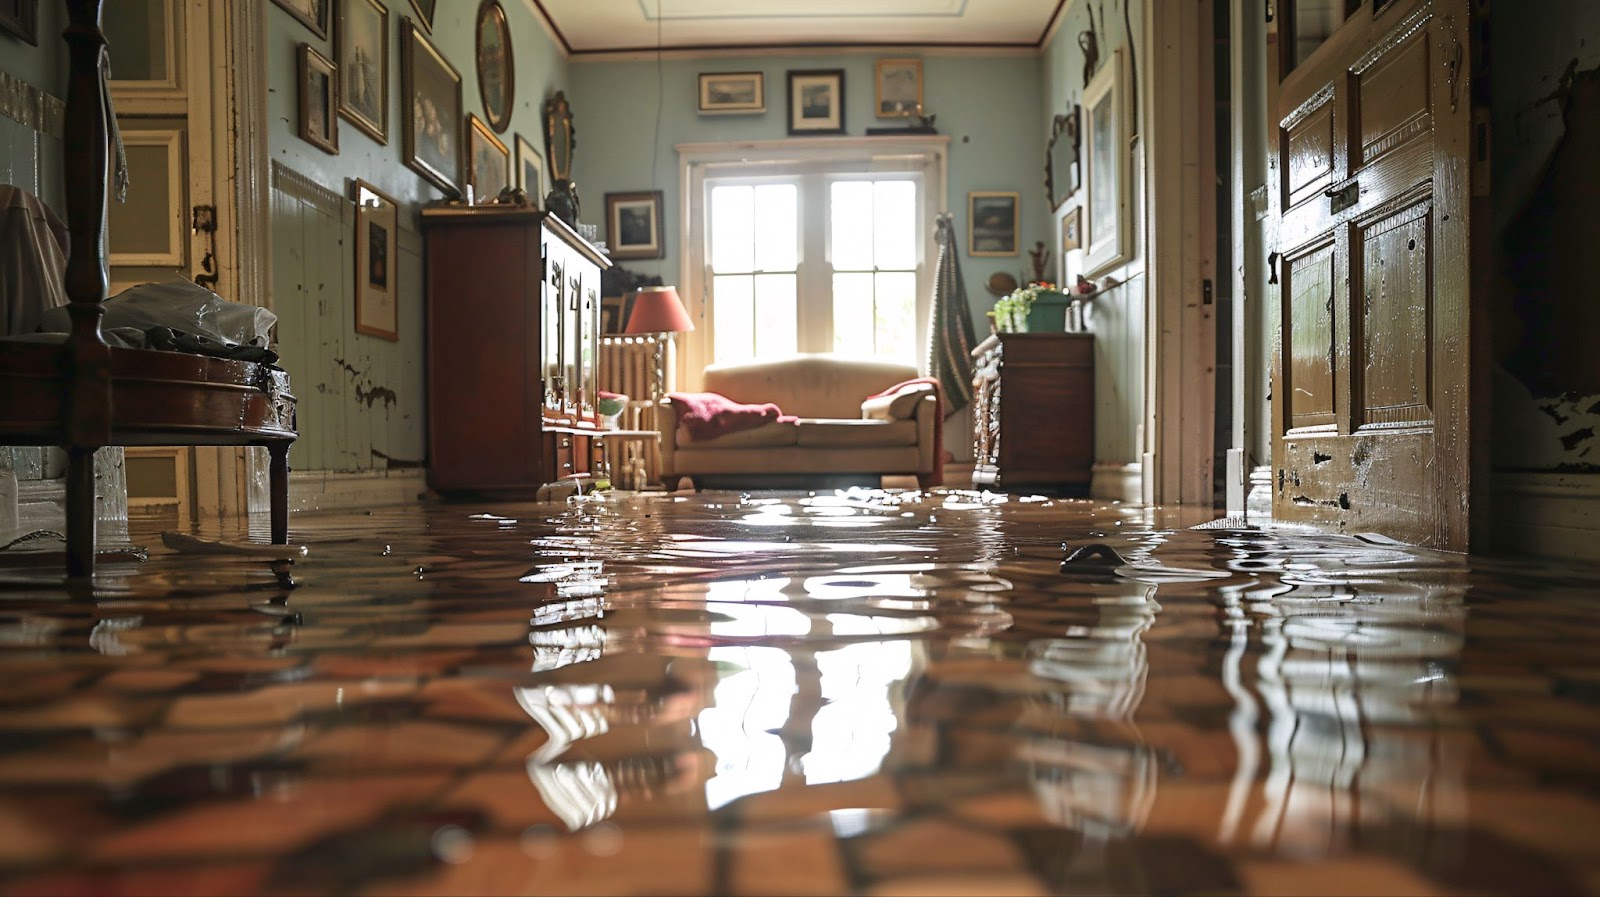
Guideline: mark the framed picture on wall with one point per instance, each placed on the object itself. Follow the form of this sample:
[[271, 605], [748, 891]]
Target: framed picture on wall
[[732, 93], [633, 225], [425, 10], [899, 89], [362, 52], [488, 161], [816, 101], [992, 223], [20, 18], [497, 79], [377, 216], [1106, 238], [319, 100], [430, 106], [530, 171], [312, 13]]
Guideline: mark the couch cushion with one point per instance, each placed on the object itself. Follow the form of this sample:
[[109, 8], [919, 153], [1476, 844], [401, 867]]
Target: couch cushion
[[900, 406], [855, 433], [819, 385], [768, 435]]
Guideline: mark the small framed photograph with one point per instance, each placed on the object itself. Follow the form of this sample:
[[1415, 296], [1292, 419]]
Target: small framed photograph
[[319, 100], [430, 106], [312, 13], [530, 171], [20, 18], [899, 88], [732, 93], [633, 225], [816, 101], [362, 52], [1072, 229], [424, 9], [992, 219], [497, 78], [488, 161], [377, 217]]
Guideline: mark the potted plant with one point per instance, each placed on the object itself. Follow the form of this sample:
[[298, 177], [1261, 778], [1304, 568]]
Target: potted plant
[[1037, 306]]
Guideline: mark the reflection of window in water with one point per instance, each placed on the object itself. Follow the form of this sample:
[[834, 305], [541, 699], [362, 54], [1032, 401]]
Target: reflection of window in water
[[1343, 711]]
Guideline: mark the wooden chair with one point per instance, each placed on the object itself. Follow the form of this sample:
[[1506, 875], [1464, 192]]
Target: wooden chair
[[85, 394]]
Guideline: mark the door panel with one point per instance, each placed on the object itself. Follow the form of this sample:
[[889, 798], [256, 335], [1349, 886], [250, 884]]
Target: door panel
[[1396, 296], [1392, 98], [1309, 380], [1371, 421]]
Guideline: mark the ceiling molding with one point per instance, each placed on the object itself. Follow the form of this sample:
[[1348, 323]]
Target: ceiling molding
[[1008, 31]]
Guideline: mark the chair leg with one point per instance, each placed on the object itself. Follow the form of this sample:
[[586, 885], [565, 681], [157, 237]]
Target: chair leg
[[278, 485], [80, 511]]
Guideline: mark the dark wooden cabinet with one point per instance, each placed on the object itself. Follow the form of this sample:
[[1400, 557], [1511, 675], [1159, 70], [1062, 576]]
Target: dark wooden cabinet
[[1033, 410], [513, 324]]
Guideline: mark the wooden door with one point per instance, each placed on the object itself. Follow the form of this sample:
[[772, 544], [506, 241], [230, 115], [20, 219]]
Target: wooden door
[[1371, 369]]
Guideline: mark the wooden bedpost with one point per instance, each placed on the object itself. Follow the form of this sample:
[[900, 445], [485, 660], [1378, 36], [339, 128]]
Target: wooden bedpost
[[86, 140]]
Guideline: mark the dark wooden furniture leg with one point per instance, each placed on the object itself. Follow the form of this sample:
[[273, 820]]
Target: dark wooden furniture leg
[[279, 486], [81, 516]]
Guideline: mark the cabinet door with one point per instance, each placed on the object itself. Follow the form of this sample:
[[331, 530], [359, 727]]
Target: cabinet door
[[550, 336], [589, 354], [573, 339]]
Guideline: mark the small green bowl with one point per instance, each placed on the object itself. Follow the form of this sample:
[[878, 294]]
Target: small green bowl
[[611, 407]]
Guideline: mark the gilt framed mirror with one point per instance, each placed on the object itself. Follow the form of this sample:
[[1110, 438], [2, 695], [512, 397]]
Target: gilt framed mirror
[[1061, 159], [558, 136]]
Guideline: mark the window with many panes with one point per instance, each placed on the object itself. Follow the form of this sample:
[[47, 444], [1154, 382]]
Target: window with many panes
[[820, 261]]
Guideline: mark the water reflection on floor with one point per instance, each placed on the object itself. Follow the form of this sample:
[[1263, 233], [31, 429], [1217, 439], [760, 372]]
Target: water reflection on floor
[[860, 693]]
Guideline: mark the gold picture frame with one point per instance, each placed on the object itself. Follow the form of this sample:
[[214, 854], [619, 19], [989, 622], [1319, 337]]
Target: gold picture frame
[[377, 292], [362, 54], [488, 161], [732, 93], [898, 88], [430, 107], [319, 100]]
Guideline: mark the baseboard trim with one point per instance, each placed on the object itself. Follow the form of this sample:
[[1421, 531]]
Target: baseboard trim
[[1258, 502], [1117, 481], [1554, 515], [325, 490]]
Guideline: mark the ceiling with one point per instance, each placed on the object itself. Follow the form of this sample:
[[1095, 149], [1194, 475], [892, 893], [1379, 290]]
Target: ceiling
[[609, 26]]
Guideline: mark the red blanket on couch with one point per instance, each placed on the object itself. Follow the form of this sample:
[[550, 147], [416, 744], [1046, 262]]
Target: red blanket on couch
[[707, 415]]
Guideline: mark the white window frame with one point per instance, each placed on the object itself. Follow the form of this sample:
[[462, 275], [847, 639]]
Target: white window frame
[[924, 155]]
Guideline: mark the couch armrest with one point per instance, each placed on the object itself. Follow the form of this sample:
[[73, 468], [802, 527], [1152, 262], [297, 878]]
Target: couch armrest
[[927, 416], [902, 405]]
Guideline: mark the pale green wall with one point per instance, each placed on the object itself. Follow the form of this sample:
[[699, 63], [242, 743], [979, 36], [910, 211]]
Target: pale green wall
[[1117, 316], [989, 106], [361, 397]]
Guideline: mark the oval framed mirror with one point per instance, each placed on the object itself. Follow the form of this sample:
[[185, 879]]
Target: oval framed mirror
[[558, 136], [497, 80]]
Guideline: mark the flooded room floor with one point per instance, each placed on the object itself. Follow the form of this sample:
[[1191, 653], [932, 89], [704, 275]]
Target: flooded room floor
[[861, 693]]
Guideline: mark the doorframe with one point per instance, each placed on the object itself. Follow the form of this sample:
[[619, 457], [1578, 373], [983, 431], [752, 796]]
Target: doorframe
[[229, 481], [1180, 327], [1252, 165]]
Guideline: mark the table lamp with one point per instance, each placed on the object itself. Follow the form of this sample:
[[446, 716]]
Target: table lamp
[[659, 310]]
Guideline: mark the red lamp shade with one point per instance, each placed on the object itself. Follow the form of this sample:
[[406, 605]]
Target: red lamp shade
[[658, 310]]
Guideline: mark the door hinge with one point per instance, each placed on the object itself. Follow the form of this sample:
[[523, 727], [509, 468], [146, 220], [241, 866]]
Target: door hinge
[[1206, 295]]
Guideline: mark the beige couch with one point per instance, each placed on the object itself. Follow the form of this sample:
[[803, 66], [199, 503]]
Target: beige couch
[[840, 435]]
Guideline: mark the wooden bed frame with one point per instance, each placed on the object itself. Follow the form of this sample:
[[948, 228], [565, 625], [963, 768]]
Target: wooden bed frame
[[84, 394]]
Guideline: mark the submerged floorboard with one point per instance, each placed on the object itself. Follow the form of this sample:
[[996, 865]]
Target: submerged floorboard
[[856, 693]]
